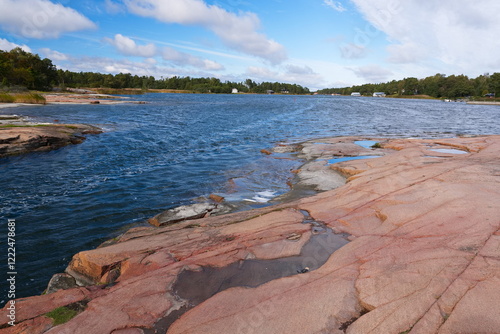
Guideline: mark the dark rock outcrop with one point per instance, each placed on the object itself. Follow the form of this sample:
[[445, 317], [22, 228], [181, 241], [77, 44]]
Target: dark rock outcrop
[[21, 139]]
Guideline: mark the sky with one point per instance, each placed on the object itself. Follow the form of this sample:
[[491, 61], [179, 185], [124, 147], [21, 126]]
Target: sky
[[314, 43]]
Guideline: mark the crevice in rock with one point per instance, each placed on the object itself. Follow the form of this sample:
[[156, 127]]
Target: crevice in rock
[[472, 286], [344, 326]]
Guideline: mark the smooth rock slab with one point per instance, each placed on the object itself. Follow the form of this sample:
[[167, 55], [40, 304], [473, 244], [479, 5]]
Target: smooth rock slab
[[424, 256]]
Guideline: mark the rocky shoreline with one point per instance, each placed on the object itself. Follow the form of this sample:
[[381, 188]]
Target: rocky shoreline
[[404, 242], [20, 136]]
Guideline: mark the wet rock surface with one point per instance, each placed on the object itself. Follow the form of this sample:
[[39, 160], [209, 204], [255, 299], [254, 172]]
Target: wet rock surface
[[423, 257]]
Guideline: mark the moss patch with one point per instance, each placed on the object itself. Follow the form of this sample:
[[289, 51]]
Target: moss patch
[[61, 315]]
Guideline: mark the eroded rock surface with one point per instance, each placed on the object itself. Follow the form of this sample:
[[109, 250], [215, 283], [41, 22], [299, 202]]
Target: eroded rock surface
[[424, 257]]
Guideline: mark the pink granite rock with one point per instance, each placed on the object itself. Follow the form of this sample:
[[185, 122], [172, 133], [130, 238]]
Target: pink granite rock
[[424, 257]]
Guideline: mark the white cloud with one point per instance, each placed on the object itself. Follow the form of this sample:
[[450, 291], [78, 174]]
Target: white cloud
[[458, 34], [53, 55], [336, 5], [7, 46], [108, 65], [128, 47], [148, 67], [372, 73], [238, 31], [291, 73], [353, 51], [183, 59], [40, 18], [113, 7]]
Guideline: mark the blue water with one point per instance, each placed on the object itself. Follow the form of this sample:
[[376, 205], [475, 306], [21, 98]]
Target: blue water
[[335, 160], [365, 143], [179, 147]]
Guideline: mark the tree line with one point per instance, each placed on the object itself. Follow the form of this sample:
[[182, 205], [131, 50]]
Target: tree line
[[24, 69], [21, 68], [437, 86], [200, 85]]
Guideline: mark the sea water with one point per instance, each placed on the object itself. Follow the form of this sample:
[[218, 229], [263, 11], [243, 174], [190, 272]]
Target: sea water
[[176, 149]]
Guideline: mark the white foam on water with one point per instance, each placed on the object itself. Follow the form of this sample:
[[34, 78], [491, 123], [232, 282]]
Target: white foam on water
[[262, 197], [267, 193]]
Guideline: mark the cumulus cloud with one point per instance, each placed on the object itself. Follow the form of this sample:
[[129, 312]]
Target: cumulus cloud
[[129, 47], [336, 5], [53, 55], [40, 18], [183, 59], [238, 31], [459, 34], [372, 73], [5, 45]]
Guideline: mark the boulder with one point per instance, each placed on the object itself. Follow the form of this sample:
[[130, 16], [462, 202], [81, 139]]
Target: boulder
[[61, 281], [188, 212]]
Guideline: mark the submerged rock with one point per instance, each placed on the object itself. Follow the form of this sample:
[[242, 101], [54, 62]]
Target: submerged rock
[[216, 198]]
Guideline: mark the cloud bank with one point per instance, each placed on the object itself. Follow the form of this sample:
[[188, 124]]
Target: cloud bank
[[457, 35]]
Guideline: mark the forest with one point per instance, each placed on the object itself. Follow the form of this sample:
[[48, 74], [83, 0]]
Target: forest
[[21, 69], [437, 86]]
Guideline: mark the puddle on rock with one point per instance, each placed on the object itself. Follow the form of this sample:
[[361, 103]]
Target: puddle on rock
[[335, 160], [197, 286], [448, 150], [365, 143]]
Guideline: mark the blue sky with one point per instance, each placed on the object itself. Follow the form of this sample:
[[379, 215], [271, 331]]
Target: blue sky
[[315, 43]]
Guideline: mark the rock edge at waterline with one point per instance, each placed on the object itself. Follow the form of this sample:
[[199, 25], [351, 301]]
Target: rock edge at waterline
[[423, 257], [20, 136]]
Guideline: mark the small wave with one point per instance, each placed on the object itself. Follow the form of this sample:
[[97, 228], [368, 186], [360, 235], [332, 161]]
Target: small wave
[[262, 197]]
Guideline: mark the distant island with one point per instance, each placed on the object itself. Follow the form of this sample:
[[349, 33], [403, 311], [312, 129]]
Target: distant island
[[436, 86]]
